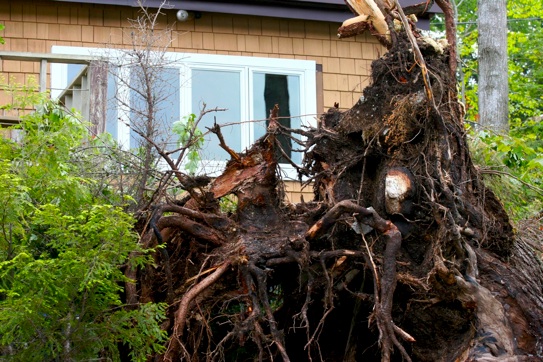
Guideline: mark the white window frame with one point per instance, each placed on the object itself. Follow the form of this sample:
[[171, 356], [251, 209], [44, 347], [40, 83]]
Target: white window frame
[[186, 62]]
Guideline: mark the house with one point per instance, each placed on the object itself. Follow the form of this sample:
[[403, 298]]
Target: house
[[227, 52]]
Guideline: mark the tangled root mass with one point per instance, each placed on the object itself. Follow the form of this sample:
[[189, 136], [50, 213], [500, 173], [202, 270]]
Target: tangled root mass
[[402, 255]]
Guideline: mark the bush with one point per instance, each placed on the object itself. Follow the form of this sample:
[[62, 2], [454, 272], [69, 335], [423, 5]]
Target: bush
[[62, 250]]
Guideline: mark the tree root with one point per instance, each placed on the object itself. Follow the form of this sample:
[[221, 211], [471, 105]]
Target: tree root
[[384, 281], [260, 277], [184, 304]]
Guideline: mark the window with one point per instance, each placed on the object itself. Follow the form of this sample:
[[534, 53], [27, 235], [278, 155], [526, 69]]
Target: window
[[247, 87]]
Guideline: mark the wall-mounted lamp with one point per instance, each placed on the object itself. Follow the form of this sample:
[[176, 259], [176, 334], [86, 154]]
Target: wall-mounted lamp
[[183, 15]]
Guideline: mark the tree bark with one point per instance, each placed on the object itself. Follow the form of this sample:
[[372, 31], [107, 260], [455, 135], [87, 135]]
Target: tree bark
[[493, 74]]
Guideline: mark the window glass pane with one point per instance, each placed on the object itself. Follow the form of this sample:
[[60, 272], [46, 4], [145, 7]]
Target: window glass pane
[[284, 90], [164, 107], [217, 88]]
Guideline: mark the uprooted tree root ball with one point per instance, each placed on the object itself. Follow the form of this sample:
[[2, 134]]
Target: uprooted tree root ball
[[402, 255]]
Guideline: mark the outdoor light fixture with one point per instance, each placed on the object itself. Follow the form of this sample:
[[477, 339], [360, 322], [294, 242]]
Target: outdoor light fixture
[[183, 15]]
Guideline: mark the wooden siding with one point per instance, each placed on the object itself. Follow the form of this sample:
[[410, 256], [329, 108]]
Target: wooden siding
[[294, 192]]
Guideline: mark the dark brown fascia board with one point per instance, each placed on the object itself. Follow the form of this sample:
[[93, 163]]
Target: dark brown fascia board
[[320, 10]]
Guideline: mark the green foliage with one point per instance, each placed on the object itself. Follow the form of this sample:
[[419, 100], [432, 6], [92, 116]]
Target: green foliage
[[228, 204], [62, 250], [45, 161], [517, 154], [192, 138], [525, 52], [2, 27], [141, 340], [24, 96], [514, 165]]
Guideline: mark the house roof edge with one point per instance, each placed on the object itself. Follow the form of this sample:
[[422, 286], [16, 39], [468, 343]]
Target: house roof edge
[[319, 10]]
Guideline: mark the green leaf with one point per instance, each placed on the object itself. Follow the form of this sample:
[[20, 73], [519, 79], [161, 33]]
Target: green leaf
[[62, 250]]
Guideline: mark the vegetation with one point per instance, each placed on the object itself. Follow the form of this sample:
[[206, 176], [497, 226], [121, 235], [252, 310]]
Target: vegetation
[[192, 138], [512, 163], [63, 247], [68, 245], [513, 166], [525, 47]]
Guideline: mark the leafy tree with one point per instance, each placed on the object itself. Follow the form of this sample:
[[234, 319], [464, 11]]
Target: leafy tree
[[512, 161], [525, 47], [62, 251]]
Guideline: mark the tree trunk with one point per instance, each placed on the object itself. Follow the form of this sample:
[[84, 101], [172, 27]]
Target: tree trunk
[[403, 254], [493, 74]]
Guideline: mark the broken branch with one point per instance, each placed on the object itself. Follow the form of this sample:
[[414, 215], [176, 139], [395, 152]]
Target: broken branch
[[450, 29], [368, 11], [217, 130], [418, 55]]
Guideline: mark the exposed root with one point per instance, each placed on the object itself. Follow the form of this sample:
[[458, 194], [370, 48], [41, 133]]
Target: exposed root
[[263, 296], [184, 304], [418, 55], [384, 282]]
